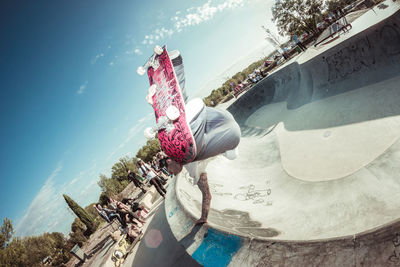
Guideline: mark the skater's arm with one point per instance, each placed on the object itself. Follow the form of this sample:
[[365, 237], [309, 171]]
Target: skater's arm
[[96, 208], [206, 200]]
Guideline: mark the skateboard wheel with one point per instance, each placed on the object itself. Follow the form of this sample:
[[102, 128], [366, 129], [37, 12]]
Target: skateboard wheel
[[152, 90], [149, 100], [172, 113], [149, 133], [158, 50], [141, 70]]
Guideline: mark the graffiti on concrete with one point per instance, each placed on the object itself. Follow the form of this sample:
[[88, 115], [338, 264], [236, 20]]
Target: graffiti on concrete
[[350, 59], [390, 36], [215, 190], [188, 226], [172, 212], [361, 54], [395, 257], [253, 194]]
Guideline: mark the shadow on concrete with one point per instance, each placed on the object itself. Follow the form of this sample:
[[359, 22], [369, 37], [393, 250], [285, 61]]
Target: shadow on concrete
[[169, 253], [368, 61], [188, 240]]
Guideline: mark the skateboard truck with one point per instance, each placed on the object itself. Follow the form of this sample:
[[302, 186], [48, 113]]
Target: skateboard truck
[[151, 62], [164, 122]]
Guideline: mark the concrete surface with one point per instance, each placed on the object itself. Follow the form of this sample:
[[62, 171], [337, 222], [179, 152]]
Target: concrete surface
[[159, 246], [317, 181]]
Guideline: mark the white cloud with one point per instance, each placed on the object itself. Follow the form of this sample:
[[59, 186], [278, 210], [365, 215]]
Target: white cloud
[[96, 58], [48, 211], [191, 17], [82, 88], [132, 51], [111, 63], [35, 218]]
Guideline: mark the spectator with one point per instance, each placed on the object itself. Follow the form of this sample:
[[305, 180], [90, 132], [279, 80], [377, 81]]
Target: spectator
[[146, 171], [133, 232], [101, 212], [126, 214], [133, 204], [162, 161], [112, 214], [133, 177], [112, 203], [299, 43], [156, 170], [154, 164]]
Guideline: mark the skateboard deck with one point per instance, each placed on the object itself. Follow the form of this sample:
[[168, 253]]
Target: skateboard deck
[[176, 139]]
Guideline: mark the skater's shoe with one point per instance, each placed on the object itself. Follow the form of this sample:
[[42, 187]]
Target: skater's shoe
[[231, 154], [174, 55]]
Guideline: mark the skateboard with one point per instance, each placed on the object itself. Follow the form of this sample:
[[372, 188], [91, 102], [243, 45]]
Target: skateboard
[[165, 96]]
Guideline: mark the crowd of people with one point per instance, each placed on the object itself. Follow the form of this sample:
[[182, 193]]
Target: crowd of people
[[125, 212], [128, 211]]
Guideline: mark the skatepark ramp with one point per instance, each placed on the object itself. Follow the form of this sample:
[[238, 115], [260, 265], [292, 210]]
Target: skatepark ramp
[[317, 180]]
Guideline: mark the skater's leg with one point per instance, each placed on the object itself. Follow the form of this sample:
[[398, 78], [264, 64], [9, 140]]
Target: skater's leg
[[116, 215], [161, 179], [133, 215], [222, 133], [177, 62], [206, 202]]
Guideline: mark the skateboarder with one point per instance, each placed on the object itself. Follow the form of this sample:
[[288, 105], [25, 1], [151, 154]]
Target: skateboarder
[[215, 131]]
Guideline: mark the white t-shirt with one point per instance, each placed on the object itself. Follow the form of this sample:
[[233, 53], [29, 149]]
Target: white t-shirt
[[146, 172], [196, 168]]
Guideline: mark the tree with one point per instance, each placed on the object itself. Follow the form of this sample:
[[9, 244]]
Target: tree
[[6, 232], [91, 210], [334, 5], [30, 251], [148, 151], [120, 169], [103, 198], [14, 254], [82, 215], [77, 232], [38, 247], [111, 186], [296, 16]]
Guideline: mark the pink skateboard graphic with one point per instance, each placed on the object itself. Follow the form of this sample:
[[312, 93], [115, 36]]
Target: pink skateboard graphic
[[165, 96]]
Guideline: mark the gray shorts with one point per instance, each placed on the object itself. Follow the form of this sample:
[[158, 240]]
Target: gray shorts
[[215, 131]]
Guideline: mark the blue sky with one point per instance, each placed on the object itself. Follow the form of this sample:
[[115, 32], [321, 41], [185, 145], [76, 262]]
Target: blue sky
[[71, 101]]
